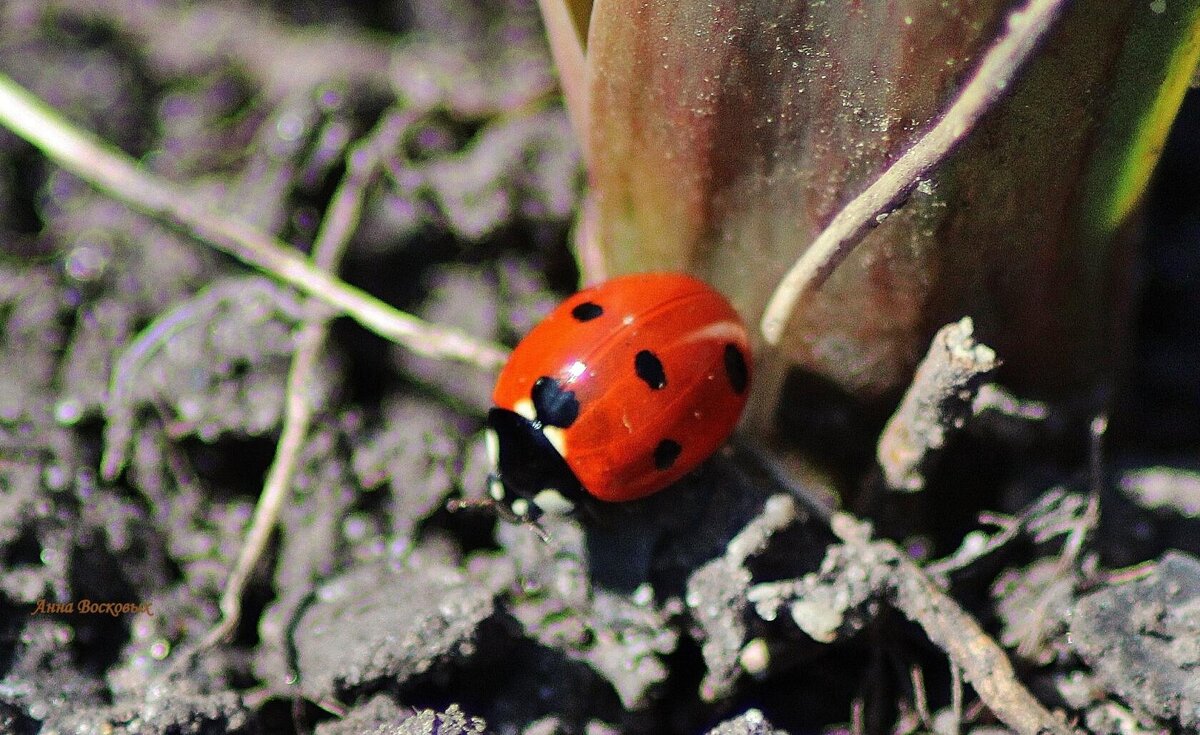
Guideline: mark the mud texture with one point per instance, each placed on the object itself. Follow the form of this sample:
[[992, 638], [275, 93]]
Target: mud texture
[[144, 384]]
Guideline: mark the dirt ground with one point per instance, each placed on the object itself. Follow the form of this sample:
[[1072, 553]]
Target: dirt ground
[[146, 379]]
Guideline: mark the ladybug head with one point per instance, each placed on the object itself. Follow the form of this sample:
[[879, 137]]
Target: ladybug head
[[530, 476]]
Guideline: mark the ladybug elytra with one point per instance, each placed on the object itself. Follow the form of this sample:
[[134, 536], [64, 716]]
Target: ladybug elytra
[[624, 388]]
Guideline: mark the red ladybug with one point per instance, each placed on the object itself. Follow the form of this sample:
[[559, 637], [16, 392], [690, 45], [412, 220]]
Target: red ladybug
[[624, 388]]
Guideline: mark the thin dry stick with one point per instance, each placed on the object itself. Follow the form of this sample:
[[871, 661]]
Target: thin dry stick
[[297, 416], [1073, 547], [1026, 29], [956, 697], [337, 227], [920, 698], [119, 176], [983, 662]]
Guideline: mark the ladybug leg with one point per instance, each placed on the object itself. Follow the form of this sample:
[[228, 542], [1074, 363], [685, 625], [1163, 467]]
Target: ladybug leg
[[537, 528], [501, 511], [496, 505], [490, 504]]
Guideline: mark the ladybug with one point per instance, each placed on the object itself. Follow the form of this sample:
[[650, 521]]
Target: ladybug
[[623, 389]]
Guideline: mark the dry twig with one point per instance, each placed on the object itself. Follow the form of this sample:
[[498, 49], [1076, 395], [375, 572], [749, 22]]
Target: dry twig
[[342, 218], [111, 171], [1027, 27], [128, 371], [982, 661], [938, 401]]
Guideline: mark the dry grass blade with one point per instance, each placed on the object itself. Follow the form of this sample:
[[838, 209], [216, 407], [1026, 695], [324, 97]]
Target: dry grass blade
[[341, 219], [119, 176]]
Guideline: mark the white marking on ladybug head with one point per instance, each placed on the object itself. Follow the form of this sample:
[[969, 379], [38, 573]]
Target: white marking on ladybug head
[[520, 507], [525, 409], [495, 488], [557, 438], [491, 442], [552, 502]]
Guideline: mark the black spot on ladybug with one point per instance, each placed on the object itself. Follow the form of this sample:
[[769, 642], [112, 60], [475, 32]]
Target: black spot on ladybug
[[554, 406], [666, 453], [587, 311], [735, 369], [650, 369]]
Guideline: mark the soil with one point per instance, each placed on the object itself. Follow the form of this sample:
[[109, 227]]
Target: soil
[[144, 383]]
